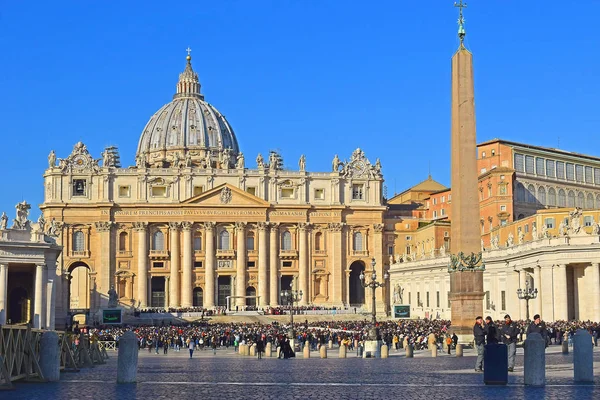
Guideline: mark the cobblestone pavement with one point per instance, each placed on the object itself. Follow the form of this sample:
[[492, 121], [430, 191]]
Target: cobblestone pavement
[[229, 376]]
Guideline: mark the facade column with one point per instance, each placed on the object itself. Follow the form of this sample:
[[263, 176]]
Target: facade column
[[303, 263], [50, 301], [512, 301], [3, 292], [263, 254], [186, 281], [561, 305], [167, 292], [274, 265], [240, 279], [522, 303], [337, 251], [547, 294], [175, 259], [38, 309], [107, 271], [537, 284], [594, 291], [142, 257], [209, 271]]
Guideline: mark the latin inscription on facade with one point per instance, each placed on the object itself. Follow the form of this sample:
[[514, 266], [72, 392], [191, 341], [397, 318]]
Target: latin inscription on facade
[[166, 213]]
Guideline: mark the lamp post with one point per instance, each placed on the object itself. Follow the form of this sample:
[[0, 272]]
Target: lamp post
[[291, 296], [373, 284], [528, 294]]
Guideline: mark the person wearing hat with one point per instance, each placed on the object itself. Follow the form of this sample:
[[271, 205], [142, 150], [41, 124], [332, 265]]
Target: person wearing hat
[[479, 333], [537, 326], [509, 332], [492, 331]]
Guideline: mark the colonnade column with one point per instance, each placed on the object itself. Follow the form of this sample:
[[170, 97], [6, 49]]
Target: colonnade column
[[50, 302], [107, 276], [38, 309], [337, 252], [547, 294], [274, 265], [175, 259], [167, 292], [186, 278], [209, 270], [3, 292], [240, 279], [263, 284], [512, 301], [594, 290], [142, 257], [561, 305], [537, 284], [303, 263]]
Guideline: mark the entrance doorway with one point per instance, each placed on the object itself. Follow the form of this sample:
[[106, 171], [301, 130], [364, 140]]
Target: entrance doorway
[[157, 284], [19, 306], [250, 291], [357, 292], [79, 287], [223, 290], [286, 284], [198, 297]]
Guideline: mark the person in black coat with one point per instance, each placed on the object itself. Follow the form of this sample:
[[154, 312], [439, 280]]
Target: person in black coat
[[479, 333], [509, 332], [537, 326], [492, 334]]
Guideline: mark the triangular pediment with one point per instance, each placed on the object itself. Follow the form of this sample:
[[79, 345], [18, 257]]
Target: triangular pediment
[[226, 195]]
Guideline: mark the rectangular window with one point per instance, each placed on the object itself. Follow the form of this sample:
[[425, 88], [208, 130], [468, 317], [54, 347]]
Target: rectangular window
[[443, 211], [503, 300], [519, 163], [319, 194], [124, 191], [286, 264], [443, 199], [550, 169], [198, 190], [529, 166], [408, 250], [570, 172], [427, 298], [419, 299], [79, 187], [434, 214], [527, 228], [251, 190], [408, 237], [197, 264], [597, 176], [560, 170], [434, 201], [588, 220], [287, 193], [488, 304], [502, 208], [251, 264], [159, 191], [158, 265], [437, 299], [357, 192], [589, 178], [549, 223], [539, 166], [390, 250], [579, 173]]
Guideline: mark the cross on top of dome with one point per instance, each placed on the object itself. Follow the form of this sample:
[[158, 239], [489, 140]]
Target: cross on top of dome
[[188, 85]]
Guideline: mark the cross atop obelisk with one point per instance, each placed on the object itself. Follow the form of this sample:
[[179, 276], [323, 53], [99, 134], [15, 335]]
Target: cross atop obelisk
[[461, 21]]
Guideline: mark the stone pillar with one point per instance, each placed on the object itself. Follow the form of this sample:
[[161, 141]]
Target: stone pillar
[[385, 351], [303, 264], [594, 290], [409, 351], [50, 356], [175, 259], [240, 233], [127, 359], [459, 350], [50, 301], [583, 356], [263, 283], [522, 303], [274, 265], [38, 309], [337, 250], [209, 270], [142, 257], [561, 306], [323, 351], [3, 292], [342, 352], [106, 270], [188, 264], [535, 360], [537, 284]]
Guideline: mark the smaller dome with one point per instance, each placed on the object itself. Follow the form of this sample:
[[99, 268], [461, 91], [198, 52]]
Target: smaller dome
[[187, 128]]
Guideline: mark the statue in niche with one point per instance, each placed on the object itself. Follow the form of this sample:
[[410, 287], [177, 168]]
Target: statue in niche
[[511, 240], [176, 160], [575, 221], [561, 229], [595, 228], [239, 164], [302, 163], [534, 232], [3, 221], [113, 300], [51, 159], [207, 160], [391, 259], [336, 163], [54, 229], [188, 160], [495, 243], [260, 161], [544, 233], [21, 222], [521, 237], [41, 223], [225, 159]]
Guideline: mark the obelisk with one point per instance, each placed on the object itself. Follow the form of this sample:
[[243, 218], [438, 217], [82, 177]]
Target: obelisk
[[466, 265]]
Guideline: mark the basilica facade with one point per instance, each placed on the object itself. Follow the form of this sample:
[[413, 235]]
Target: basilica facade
[[191, 224]]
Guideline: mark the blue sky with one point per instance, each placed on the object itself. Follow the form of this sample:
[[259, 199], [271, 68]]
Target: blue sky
[[304, 77]]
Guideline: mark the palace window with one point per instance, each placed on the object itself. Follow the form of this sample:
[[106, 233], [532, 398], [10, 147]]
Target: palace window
[[571, 199], [542, 196], [318, 240], [589, 178], [224, 240], [530, 194], [427, 298], [357, 192], [390, 250], [519, 163], [159, 264], [197, 241], [251, 190], [597, 176], [590, 201], [286, 264], [197, 264], [124, 191], [79, 186], [502, 208], [159, 191], [527, 228], [560, 170], [198, 190], [520, 192], [78, 241], [158, 241], [570, 172], [562, 198], [539, 166], [579, 173], [250, 241], [123, 241], [286, 240], [588, 220], [434, 214], [580, 200], [287, 193], [251, 264], [551, 197], [319, 194], [443, 211], [357, 241], [549, 223], [550, 168], [529, 165]]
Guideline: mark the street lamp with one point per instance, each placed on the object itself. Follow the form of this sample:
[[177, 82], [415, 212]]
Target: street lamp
[[291, 297], [528, 294], [373, 284]]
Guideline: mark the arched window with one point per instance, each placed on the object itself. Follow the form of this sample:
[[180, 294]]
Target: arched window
[[158, 241], [123, 241], [78, 241], [530, 194], [562, 198], [580, 200], [197, 241], [598, 200], [520, 192], [250, 241], [224, 240], [542, 195], [571, 199], [551, 197], [318, 240], [590, 202], [357, 241], [286, 240]]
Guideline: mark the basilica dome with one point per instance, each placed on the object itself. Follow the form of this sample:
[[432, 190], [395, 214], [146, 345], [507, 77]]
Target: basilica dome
[[187, 131]]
